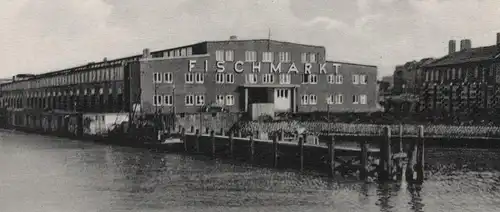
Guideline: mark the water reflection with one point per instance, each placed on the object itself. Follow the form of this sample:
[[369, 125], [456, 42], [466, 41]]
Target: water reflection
[[63, 175]]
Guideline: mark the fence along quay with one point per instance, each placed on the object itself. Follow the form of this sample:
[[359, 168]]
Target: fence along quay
[[383, 156]]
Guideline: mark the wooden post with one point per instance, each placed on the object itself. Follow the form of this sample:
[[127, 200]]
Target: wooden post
[[364, 160], [231, 144], [212, 139], [301, 152], [252, 146], [331, 157], [412, 157], [184, 139], [400, 138], [197, 140], [282, 135], [420, 155], [275, 151], [385, 155]]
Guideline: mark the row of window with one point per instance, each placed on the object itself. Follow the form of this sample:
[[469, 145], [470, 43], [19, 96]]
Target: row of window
[[252, 78], [312, 99], [267, 57], [455, 74], [99, 75], [179, 52], [89, 91], [191, 100]]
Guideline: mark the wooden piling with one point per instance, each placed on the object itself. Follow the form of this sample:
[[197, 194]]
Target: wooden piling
[[420, 155], [252, 148], [385, 162], [212, 139], [275, 151], [184, 139], [401, 138], [301, 152], [282, 135], [331, 157], [364, 160], [197, 141], [231, 144], [412, 156]]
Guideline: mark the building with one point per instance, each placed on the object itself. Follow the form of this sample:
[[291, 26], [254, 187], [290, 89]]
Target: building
[[407, 77], [236, 75], [464, 83]]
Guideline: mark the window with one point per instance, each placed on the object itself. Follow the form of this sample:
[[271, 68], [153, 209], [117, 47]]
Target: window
[[304, 99], [303, 57], [219, 55], [200, 99], [189, 51], [219, 99], [362, 99], [251, 78], [168, 77], [284, 56], [355, 79], [229, 55], [339, 79], [305, 78], [169, 100], [157, 100], [313, 79], [250, 56], [229, 100], [219, 78], [330, 79], [339, 99], [312, 57], [177, 53], [285, 78], [189, 78], [313, 99], [330, 99], [363, 79], [199, 78], [230, 78], [268, 78], [183, 52], [355, 99], [267, 57], [189, 100]]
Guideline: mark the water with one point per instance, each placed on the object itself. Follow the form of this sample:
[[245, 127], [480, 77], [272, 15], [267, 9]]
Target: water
[[40, 173]]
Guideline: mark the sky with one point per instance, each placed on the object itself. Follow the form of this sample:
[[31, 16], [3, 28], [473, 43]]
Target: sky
[[37, 36]]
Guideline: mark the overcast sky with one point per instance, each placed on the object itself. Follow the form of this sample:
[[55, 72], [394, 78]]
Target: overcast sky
[[40, 36]]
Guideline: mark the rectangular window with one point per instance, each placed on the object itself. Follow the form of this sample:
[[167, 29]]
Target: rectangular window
[[267, 57], [313, 99], [268, 78], [284, 57], [199, 78], [285, 78], [355, 79], [339, 99], [330, 99], [157, 100], [363, 79], [355, 99], [168, 77], [312, 57], [251, 79], [200, 99], [250, 56], [362, 99], [339, 79], [189, 78], [219, 99], [219, 78], [229, 100], [183, 52], [229, 55], [230, 78], [305, 78], [189, 100], [219, 55], [303, 57], [304, 99], [189, 51], [330, 79], [177, 52], [313, 79]]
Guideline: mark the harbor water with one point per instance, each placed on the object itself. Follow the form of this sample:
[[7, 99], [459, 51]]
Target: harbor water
[[41, 173]]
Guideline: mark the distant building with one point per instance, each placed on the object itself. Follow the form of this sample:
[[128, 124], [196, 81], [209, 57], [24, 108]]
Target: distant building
[[408, 77]]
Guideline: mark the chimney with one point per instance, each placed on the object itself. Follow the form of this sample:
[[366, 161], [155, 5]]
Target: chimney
[[233, 37], [105, 59], [145, 53], [465, 44], [452, 46], [498, 39]]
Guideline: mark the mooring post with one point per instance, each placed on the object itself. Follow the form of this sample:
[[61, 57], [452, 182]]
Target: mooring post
[[212, 139], [184, 139], [231, 144], [275, 151], [252, 146], [197, 140], [301, 151], [331, 156], [364, 160], [385, 157], [420, 155]]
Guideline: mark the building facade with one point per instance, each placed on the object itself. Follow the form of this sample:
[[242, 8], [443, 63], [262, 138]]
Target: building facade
[[408, 77], [464, 83], [232, 74]]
